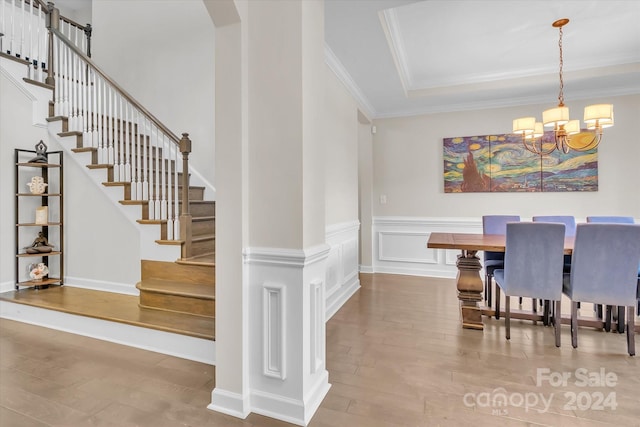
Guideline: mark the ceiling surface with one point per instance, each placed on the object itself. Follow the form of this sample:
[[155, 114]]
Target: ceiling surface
[[407, 57], [402, 57]]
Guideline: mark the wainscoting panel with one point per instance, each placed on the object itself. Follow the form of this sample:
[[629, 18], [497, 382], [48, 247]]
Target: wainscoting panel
[[274, 321], [400, 245], [342, 279]]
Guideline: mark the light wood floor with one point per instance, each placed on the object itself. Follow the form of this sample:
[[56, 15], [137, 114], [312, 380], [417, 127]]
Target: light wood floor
[[396, 356], [112, 307]]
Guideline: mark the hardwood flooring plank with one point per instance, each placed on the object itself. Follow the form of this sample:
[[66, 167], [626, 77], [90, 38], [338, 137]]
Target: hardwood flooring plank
[[396, 356]]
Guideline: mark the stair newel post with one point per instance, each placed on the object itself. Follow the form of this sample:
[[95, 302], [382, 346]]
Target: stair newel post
[[53, 21], [185, 215]]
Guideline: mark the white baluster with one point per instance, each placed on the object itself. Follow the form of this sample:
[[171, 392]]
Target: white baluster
[[145, 161], [135, 169], [94, 100], [176, 205], [21, 49], [29, 54], [111, 127], [57, 88], [38, 42], [129, 142], [158, 173], [163, 175], [102, 120], [13, 27]]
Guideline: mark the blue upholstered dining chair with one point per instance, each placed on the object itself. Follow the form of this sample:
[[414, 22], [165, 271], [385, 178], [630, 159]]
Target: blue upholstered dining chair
[[533, 267], [604, 270], [494, 224], [598, 307], [611, 219], [569, 231]]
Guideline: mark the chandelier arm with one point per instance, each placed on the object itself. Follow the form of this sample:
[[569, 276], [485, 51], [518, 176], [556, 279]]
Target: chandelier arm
[[595, 141], [561, 144], [533, 147]]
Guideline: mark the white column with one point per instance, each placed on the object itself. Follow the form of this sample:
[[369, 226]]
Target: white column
[[270, 253]]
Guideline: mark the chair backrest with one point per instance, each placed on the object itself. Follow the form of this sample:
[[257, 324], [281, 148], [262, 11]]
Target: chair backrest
[[611, 219], [496, 224], [533, 260], [568, 221], [616, 220], [605, 263]]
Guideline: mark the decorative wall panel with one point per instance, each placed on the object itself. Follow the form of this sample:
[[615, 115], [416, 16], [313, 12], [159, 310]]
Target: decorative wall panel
[[500, 163]]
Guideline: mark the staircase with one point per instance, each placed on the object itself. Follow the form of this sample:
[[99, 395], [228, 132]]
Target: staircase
[[104, 128], [186, 285]]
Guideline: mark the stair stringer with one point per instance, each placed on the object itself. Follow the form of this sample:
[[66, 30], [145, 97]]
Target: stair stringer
[[15, 71], [148, 233]]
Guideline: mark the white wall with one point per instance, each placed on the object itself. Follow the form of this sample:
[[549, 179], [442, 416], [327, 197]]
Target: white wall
[[161, 52], [341, 143], [340, 136], [16, 131], [408, 170], [408, 166], [93, 226]]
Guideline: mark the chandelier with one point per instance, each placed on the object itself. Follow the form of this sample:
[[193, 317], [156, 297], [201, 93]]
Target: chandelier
[[596, 118]]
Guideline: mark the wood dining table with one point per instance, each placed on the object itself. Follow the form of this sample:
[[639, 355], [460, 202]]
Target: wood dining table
[[468, 280]]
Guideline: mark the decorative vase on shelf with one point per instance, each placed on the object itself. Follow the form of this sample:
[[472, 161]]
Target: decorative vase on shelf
[[37, 185], [38, 271]]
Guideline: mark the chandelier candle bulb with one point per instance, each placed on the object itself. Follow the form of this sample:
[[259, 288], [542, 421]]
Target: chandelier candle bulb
[[601, 114], [524, 125]]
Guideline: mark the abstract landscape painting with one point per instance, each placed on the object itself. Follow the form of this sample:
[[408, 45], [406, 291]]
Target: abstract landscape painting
[[500, 163]]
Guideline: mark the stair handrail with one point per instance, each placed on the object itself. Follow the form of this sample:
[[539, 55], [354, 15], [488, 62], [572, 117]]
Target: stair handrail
[[112, 82], [25, 31], [181, 145]]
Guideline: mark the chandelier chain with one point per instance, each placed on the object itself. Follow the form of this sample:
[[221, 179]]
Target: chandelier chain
[[561, 94]]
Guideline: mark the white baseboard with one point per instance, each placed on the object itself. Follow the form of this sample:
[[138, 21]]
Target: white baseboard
[[177, 345], [337, 299], [229, 403], [366, 269], [101, 285], [7, 286], [291, 410]]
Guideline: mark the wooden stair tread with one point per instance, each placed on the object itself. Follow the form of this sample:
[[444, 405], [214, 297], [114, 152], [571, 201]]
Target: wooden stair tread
[[204, 260], [112, 307], [203, 218], [203, 237], [169, 242], [169, 287]]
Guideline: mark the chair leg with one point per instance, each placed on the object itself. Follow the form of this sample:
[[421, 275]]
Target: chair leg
[[607, 318], [497, 302], [545, 312], [557, 321], [620, 324], [507, 316], [574, 324], [631, 341], [598, 310]]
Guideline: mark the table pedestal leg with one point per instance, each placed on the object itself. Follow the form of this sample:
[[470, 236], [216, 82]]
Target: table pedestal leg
[[470, 289]]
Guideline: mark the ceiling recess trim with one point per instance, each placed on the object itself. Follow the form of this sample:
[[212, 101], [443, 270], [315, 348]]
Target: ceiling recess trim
[[389, 22], [343, 75]]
